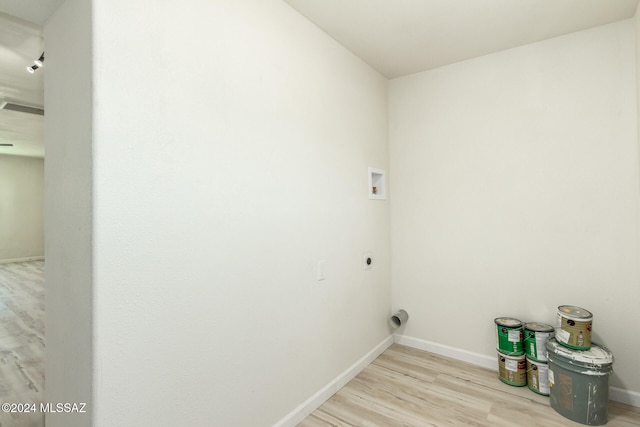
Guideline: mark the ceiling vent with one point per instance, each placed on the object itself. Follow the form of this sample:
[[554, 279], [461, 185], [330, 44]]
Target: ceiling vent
[[5, 105]]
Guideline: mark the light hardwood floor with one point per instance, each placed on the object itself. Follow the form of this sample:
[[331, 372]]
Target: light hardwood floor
[[409, 387], [22, 340]]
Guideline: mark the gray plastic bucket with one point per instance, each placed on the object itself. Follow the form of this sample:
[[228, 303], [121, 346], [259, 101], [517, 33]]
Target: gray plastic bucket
[[579, 381]]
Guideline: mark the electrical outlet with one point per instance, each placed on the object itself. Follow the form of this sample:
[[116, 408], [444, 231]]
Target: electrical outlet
[[368, 260]]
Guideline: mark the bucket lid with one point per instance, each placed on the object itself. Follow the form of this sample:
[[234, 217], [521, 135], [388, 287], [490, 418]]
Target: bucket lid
[[574, 312], [539, 327], [509, 322], [597, 356]]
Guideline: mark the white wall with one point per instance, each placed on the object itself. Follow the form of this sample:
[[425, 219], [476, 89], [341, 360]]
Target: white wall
[[637, 34], [231, 153], [21, 207], [68, 199], [515, 190]]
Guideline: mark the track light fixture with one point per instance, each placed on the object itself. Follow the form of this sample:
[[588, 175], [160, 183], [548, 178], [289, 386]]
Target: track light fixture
[[40, 60], [37, 63]]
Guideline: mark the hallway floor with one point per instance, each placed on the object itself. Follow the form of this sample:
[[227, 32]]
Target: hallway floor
[[22, 341]]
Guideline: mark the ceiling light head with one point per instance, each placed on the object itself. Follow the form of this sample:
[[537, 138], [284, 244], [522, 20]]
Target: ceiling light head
[[32, 69], [40, 60]]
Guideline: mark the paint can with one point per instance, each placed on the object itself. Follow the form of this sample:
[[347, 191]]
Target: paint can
[[538, 376], [574, 327], [535, 340], [509, 336], [512, 370], [579, 382]]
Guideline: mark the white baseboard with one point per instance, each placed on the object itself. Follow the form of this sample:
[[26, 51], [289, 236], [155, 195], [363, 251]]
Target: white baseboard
[[30, 258], [452, 352], [314, 402], [627, 397]]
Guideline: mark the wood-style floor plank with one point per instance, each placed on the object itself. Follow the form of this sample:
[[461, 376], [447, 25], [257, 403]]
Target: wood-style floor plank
[[22, 340], [410, 387]]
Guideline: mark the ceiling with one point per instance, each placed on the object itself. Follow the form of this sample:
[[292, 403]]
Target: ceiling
[[400, 37], [20, 43], [396, 37], [36, 11]]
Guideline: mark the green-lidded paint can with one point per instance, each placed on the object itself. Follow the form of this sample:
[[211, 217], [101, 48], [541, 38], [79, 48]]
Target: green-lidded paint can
[[535, 340], [574, 327], [579, 382], [538, 376], [512, 370], [509, 336]]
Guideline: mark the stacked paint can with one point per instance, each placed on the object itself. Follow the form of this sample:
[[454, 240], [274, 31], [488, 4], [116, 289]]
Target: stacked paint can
[[512, 366], [574, 327], [522, 353], [535, 343], [559, 362], [578, 369]]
